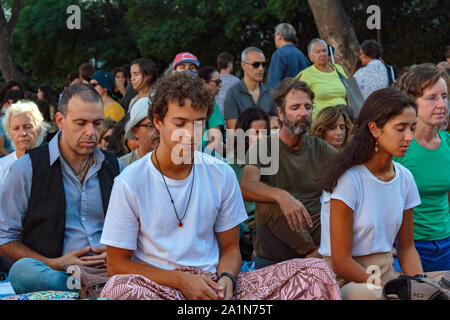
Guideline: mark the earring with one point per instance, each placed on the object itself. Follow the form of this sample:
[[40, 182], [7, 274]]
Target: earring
[[376, 146]]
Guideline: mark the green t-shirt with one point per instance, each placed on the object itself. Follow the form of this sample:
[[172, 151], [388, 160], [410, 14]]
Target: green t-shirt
[[298, 170], [327, 87], [215, 120], [431, 171]]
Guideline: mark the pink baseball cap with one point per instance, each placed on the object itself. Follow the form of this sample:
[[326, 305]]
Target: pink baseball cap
[[185, 57]]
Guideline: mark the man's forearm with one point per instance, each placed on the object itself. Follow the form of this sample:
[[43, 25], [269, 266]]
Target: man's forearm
[[16, 250], [230, 261], [257, 191]]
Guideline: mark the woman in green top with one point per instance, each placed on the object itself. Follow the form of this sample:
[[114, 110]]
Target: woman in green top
[[428, 159], [323, 78]]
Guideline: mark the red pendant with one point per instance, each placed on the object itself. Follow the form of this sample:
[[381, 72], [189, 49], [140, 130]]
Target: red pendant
[[180, 224]]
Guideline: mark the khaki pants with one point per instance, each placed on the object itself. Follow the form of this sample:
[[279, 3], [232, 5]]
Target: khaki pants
[[382, 264]]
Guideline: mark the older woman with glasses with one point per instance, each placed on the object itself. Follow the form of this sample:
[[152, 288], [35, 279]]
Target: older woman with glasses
[[323, 78], [428, 159], [25, 125]]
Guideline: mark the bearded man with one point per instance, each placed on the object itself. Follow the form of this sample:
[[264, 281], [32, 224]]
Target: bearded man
[[288, 201]]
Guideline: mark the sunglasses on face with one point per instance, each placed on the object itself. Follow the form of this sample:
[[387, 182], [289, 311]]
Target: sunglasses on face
[[218, 82], [257, 64], [94, 84]]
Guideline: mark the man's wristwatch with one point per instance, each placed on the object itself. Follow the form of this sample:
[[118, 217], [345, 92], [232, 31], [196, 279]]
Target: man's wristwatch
[[229, 275], [421, 276]]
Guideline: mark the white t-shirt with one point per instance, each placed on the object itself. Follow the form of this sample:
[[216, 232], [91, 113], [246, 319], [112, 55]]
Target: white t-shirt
[[141, 218], [377, 206], [5, 163]]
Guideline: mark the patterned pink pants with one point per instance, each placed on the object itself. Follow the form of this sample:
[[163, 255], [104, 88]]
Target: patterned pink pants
[[297, 279]]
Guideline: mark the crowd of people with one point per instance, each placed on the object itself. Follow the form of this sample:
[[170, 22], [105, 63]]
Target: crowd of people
[[145, 184]]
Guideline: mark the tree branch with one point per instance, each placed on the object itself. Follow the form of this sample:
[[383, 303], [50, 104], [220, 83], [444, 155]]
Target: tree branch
[[15, 12], [2, 18]]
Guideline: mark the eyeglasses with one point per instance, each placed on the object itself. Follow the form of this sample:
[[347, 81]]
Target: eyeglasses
[[435, 98], [218, 82], [256, 64], [94, 84]]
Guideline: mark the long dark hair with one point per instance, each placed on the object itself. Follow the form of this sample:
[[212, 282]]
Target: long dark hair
[[381, 106], [49, 94], [245, 120], [7, 86], [116, 141]]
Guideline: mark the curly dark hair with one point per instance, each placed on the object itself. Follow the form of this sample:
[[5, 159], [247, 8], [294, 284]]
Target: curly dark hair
[[179, 87]]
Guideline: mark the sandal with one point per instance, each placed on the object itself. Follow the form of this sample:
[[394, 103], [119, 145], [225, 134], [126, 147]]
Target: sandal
[[413, 288]]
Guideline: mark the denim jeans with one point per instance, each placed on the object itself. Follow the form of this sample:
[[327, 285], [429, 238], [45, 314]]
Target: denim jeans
[[30, 275]]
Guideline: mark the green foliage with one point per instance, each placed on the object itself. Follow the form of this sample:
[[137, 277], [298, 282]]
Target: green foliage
[[206, 27], [118, 31], [46, 49]]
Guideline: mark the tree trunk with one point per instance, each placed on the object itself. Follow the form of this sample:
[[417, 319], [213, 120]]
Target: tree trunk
[[7, 65], [335, 28]]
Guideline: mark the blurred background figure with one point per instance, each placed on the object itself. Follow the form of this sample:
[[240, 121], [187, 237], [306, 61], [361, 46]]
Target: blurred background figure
[[215, 124], [323, 78], [107, 129], [287, 60], [45, 92], [116, 141], [252, 121], [24, 124], [372, 75], [11, 97], [86, 70], [120, 83], [9, 85], [73, 77], [44, 108], [139, 128], [333, 125], [225, 65], [143, 74], [103, 83]]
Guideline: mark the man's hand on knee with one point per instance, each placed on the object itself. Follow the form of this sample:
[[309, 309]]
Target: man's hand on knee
[[295, 213]]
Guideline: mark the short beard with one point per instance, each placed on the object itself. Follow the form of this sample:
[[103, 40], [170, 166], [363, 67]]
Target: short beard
[[296, 130]]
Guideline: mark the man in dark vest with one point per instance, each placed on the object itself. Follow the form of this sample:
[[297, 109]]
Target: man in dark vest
[[54, 200]]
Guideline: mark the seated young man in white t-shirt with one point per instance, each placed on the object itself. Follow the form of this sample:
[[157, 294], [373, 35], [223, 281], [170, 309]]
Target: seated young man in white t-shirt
[[172, 227]]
